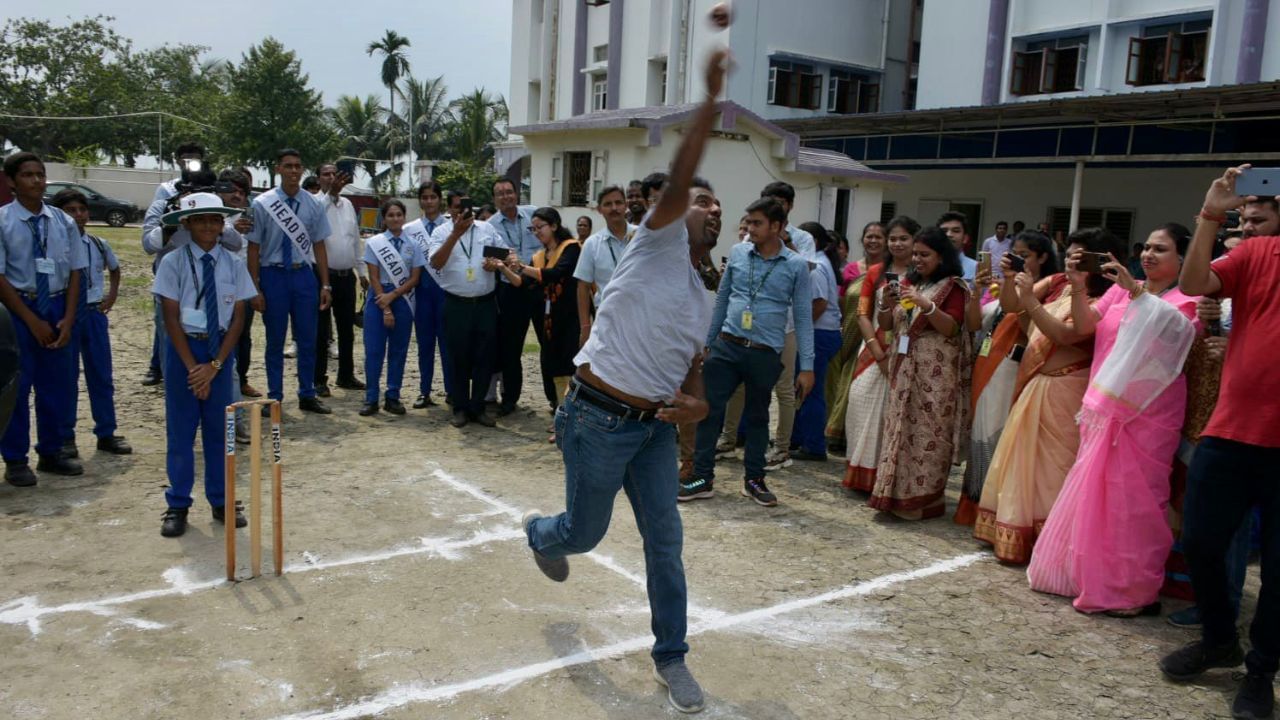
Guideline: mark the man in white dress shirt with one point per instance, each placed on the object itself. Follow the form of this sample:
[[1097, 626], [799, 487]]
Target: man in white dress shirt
[[345, 267]]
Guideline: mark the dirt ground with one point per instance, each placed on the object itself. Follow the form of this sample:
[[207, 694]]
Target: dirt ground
[[409, 592]]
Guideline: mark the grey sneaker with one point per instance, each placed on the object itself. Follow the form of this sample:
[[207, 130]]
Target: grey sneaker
[[725, 448], [777, 460], [557, 569], [682, 690]]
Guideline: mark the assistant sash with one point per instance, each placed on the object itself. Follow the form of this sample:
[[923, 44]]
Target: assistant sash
[[393, 263], [288, 222]]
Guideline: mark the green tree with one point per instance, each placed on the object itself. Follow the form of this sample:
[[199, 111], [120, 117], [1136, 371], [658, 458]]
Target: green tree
[[361, 128], [394, 65], [479, 120], [271, 105], [427, 116], [476, 180]]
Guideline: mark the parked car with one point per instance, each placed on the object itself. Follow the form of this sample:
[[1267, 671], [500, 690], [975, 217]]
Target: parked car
[[101, 208]]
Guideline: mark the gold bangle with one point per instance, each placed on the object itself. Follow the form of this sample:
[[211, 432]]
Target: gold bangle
[[1133, 294]]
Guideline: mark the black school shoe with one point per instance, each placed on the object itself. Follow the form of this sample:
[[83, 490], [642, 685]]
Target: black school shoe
[[369, 410], [220, 515], [393, 406], [422, 402], [1256, 699], [1190, 661], [70, 451], [174, 523], [350, 384], [312, 405], [19, 475], [114, 445], [153, 377], [59, 465]]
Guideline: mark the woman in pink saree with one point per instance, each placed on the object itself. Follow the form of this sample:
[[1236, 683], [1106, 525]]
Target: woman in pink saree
[[1106, 539]]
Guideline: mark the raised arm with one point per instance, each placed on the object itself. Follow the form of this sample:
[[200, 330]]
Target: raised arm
[[1197, 278], [675, 198]]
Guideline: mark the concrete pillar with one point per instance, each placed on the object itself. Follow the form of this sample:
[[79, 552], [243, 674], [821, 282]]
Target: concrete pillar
[[1077, 189], [1253, 39], [997, 25], [579, 57], [614, 79]]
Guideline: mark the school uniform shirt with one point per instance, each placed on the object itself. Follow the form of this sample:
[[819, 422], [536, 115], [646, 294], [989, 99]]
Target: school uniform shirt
[[410, 252], [343, 248], [822, 279], [181, 273], [781, 289], [806, 246], [599, 259], [153, 241], [266, 233], [421, 231], [468, 253], [18, 247], [653, 320], [970, 266], [164, 191], [101, 258]]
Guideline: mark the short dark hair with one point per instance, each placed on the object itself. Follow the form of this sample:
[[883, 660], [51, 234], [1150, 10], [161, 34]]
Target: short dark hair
[[505, 181], [390, 203], [16, 160], [634, 184], [189, 148], [430, 185], [1268, 201], [779, 189], [310, 183], [1040, 244], [551, 216], [949, 255], [903, 221], [1180, 234], [700, 182], [66, 196], [237, 178], [770, 208], [824, 241], [1002, 222], [1099, 240], [453, 195], [953, 216], [320, 168], [609, 189], [287, 152], [652, 182], [1018, 226]]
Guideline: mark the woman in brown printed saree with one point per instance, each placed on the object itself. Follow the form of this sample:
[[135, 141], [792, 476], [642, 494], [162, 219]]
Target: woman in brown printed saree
[[1041, 438], [926, 426]]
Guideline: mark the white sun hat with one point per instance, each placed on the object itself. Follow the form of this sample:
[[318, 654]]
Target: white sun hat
[[198, 204]]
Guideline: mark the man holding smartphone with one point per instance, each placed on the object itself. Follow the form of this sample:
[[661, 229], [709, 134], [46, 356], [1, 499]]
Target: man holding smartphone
[[345, 253], [1234, 466], [459, 264], [517, 306]]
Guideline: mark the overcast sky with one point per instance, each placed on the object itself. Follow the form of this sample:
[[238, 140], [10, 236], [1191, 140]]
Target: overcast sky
[[466, 41]]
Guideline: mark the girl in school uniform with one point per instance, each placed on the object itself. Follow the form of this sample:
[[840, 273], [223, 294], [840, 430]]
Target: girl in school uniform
[[395, 264]]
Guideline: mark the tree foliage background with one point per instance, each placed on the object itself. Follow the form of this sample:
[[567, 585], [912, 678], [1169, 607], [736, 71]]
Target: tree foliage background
[[244, 110]]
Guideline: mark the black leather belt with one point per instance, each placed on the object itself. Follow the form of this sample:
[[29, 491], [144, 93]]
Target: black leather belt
[[746, 343], [592, 396], [294, 266], [340, 273], [465, 299]]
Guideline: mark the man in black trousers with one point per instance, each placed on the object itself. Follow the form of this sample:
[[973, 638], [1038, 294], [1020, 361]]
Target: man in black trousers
[[517, 306]]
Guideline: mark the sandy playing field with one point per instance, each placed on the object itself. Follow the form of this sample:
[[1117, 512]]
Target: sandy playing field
[[409, 591]]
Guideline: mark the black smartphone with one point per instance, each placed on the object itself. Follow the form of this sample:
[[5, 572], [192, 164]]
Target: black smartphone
[[466, 205], [346, 167], [1017, 263], [498, 253], [1092, 262], [891, 278]]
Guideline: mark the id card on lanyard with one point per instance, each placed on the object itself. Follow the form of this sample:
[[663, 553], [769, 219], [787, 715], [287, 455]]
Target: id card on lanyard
[[194, 317], [468, 250], [748, 317]]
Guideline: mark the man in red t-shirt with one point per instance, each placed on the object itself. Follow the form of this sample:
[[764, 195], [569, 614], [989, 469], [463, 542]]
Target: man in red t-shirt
[[1237, 463]]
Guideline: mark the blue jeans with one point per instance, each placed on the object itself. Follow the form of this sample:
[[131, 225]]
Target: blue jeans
[[48, 372], [92, 344], [602, 454], [290, 294], [726, 367], [1225, 481], [380, 342], [428, 323], [810, 430], [183, 413]]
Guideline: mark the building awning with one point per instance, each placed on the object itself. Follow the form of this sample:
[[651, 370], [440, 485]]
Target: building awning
[[654, 120]]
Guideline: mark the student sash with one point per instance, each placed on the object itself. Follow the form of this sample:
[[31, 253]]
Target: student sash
[[393, 264], [288, 222]]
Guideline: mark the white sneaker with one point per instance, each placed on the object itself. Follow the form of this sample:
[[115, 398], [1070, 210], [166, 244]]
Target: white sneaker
[[291, 350], [776, 460], [725, 449]]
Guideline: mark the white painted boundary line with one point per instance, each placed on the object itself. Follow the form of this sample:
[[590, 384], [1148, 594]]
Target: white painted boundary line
[[416, 693]]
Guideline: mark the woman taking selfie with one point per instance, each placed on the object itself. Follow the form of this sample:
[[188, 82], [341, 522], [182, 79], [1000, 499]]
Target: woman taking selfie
[[1106, 539], [840, 371], [1040, 439], [557, 327], [869, 388], [395, 263], [926, 420]]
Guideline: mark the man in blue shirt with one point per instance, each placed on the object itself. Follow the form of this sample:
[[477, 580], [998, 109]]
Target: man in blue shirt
[[517, 306], [763, 283], [286, 255], [41, 257], [956, 226]]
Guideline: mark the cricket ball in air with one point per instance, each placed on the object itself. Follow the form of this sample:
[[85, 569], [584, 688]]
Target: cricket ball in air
[[720, 16]]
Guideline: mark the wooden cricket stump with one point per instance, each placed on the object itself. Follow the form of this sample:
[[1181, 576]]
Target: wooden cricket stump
[[255, 487]]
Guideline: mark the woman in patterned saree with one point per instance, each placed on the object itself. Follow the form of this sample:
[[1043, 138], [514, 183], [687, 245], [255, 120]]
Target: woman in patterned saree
[[995, 369], [1040, 439], [869, 388], [840, 371], [926, 425], [1106, 538]]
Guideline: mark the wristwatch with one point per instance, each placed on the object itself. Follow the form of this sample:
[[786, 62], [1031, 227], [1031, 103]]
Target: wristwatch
[[216, 363], [327, 287]]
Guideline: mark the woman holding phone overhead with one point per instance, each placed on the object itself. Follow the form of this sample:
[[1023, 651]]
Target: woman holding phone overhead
[[926, 421], [1106, 538], [395, 264], [869, 387]]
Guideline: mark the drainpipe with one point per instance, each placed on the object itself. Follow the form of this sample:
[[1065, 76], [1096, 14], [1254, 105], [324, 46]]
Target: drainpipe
[[579, 57], [997, 26], [1077, 189], [1253, 38], [613, 80], [682, 59]]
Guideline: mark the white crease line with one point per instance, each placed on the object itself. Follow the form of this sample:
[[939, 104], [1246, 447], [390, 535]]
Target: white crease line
[[27, 610], [417, 693]]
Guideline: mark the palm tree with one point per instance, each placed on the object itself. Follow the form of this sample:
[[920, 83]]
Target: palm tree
[[427, 115], [480, 119], [361, 128], [394, 65]]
